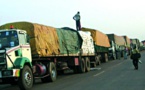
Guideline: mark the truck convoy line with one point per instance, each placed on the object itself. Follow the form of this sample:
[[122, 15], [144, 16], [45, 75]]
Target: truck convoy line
[[30, 51]]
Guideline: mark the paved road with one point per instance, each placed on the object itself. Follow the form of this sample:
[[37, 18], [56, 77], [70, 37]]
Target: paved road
[[113, 75]]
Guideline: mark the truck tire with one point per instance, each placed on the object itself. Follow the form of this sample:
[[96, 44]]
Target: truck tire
[[52, 73], [87, 64], [81, 67], [106, 57], [25, 81], [97, 60]]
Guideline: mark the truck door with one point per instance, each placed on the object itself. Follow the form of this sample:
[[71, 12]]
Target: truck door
[[25, 47]]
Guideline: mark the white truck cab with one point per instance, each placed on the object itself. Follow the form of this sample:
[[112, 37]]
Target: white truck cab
[[15, 57]]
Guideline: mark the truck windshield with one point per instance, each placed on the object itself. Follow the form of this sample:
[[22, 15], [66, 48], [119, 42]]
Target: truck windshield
[[8, 39]]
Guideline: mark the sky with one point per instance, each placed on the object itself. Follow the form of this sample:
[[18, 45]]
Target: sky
[[121, 17]]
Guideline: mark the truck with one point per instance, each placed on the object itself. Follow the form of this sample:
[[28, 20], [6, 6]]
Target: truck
[[30, 51], [127, 40], [135, 42], [143, 41], [101, 43], [142, 47], [117, 46]]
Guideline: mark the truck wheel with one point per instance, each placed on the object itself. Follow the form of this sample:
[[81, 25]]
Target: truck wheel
[[87, 64], [52, 73], [81, 67], [25, 81], [97, 60], [106, 57]]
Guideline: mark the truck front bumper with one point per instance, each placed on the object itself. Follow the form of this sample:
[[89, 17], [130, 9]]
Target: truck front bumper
[[10, 73]]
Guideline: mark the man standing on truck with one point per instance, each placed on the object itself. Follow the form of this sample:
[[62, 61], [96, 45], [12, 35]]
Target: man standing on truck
[[77, 19]]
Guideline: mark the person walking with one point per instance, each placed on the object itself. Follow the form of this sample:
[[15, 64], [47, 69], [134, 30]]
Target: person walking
[[125, 52], [77, 19], [135, 55]]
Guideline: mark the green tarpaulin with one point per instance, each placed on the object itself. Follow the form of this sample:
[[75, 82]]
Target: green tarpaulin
[[69, 41]]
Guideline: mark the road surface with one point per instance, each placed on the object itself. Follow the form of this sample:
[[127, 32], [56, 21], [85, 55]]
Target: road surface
[[113, 75]]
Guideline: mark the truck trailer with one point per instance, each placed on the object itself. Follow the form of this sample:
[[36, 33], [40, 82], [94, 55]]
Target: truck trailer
[[30, 51], [117, 46], [127, 40], [135, 42], [101, 43]]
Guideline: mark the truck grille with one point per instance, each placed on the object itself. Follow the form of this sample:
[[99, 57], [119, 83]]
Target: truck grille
[[2, 57], [2, 61]]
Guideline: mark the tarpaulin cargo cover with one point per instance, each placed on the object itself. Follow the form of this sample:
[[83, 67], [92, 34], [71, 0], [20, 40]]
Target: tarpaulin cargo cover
[[99, 38], [69, 41], [43, 39], [127, 41], [78, 39], [119, 40]]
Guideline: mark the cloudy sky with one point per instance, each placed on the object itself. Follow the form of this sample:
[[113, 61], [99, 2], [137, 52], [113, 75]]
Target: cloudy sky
[[122, 17]]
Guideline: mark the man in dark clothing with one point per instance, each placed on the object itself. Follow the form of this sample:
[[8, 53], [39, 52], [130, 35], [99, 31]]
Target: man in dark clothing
[[77, 19], [135, 55]]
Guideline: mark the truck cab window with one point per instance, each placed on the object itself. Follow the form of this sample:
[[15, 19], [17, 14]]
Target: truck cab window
[[22, 39], [8, 39]]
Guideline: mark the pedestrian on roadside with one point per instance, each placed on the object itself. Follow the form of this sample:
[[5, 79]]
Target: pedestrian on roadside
[[77, 19], [125, 52], [135, 56]]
